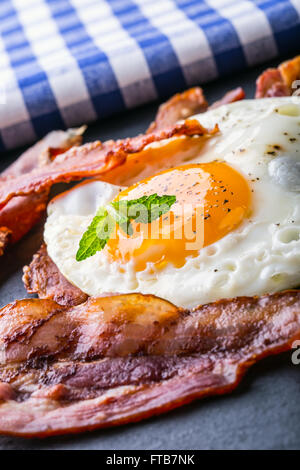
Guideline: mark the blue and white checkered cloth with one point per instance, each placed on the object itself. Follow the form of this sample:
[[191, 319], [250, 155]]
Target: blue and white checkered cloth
[[68, 62]]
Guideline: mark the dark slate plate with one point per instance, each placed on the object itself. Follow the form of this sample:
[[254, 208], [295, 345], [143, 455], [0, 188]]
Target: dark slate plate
[[263, 413]]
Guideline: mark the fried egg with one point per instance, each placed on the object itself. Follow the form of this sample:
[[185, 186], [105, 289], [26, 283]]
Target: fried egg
[[234, 228]]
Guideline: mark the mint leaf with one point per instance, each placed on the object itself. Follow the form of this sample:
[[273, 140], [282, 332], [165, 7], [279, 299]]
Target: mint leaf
[[144, 210], [96, 236], [119, 214], [127, 227]]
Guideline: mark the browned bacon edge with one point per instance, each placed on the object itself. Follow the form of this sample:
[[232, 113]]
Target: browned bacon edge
[[5, 237], [44, 278], [230, 97], [23, 212], [39, 153], [279, 81], [186, 104], [92, 159], [180, 106], [120, 359]]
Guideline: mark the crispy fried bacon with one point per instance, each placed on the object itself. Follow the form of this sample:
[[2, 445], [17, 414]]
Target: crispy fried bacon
[[37, 155], [186, 104], [230, 97], [290, 71], [5, 237], [23, 212], [44, 278], [180, 106], [120, 359], [280, 81], [92, 159], [270, 83]]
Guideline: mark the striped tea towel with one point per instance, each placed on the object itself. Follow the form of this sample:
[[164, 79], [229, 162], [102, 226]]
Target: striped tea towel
[[68, 62]]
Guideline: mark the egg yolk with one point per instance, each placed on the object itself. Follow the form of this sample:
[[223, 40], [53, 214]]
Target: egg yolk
[[212, 199]]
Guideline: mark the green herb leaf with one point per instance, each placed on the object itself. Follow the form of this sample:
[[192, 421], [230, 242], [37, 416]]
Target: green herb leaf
[[96, 236], [144, 210], [127, 227], [120, 216]]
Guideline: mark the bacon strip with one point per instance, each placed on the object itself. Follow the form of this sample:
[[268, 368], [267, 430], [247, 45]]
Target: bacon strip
[[278, 82], [55, 141], [22, 213], [230, 97], [92, 159], [121, 359], [180, 106], [186, 104], [290, 71], [5, 236], [270, 83], [44, 278]]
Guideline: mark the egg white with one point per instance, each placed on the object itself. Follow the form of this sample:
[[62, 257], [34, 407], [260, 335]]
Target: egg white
[[260, 139]]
